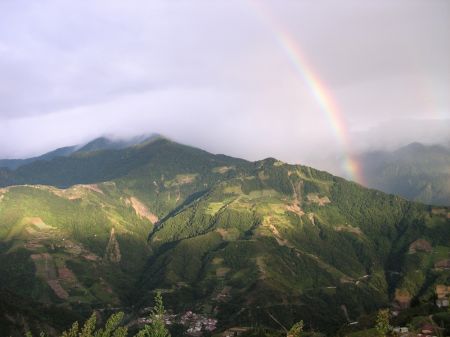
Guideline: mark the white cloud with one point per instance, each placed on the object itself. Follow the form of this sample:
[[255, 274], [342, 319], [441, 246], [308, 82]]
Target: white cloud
[[211, 74]]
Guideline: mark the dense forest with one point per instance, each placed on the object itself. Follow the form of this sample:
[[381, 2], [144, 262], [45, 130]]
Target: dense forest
[[236, 242]]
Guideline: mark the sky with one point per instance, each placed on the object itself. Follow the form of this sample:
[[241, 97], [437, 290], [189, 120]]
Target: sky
[[299, 80]]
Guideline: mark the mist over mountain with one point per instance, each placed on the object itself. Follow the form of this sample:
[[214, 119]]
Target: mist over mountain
[[98, 144], [417, 172]]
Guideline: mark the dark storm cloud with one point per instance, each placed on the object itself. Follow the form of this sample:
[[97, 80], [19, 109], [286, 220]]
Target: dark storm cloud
[[211, 74]]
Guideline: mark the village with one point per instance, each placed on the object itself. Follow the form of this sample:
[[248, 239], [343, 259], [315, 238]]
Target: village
[[195, 324], [429, 328]]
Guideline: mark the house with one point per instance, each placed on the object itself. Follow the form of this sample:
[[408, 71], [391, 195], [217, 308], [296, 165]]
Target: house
[[236, 331], [442, 303], [443, 295], [428, 329], [442, 291], [402, 329]]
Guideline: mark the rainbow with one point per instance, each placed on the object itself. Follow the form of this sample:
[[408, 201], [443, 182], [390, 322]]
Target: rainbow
[[319, 91]]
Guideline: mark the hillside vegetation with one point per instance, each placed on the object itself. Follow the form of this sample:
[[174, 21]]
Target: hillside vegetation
[[233, 239]]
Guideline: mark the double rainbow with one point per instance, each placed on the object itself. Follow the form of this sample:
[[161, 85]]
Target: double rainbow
[[322, 96]]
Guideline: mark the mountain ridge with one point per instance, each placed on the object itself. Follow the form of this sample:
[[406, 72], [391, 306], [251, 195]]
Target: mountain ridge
[[417, 172], [231, 238], [97, 144]]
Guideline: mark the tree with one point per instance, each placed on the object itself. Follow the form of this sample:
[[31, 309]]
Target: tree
[[296, 330], [112, 328], [383, 326], [157, 327]]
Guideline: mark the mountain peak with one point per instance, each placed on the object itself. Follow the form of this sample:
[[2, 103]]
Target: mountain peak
[[107, 143]]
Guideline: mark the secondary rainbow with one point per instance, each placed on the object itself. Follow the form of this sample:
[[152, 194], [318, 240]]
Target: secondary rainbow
[[322, 96]]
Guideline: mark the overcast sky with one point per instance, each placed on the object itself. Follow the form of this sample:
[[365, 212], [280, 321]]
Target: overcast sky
[[212, 74]]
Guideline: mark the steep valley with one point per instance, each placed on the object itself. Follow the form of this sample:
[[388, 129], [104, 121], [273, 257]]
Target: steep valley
[[236, 240]]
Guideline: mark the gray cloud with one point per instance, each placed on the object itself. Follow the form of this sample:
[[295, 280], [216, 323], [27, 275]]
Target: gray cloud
[[211, 74]]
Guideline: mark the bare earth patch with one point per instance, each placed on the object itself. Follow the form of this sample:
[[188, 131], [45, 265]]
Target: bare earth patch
[[45, 266], [441, 212], [33, 245], [112, 252], [217, 260], [221, 272], [39, 223], [442, 264], [281, 241], [181, 179], [73, 193], [350, 229], [321, 201], [57, 289], [403, 298], [223, 233], [346, 279], [420, 246], [45, 269], [78, 249], [93, 187], [295, 208], [91, 257], [278, 163], [186, 179], [261, 267], [311, 218], [142, 210], [36, 257], [222, 169], [66, 274]]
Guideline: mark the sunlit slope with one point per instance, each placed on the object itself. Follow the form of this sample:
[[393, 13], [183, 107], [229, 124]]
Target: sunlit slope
[[80, 246], [299, 242], [87, 245], [221, 235]]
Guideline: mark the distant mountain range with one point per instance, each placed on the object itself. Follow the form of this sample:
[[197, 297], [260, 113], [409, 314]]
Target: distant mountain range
[[417, 172], [106, 224]]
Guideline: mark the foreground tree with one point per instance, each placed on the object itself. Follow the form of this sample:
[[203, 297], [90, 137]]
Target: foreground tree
[[157, 326], [383, 326], [112, 328], [296, 330]]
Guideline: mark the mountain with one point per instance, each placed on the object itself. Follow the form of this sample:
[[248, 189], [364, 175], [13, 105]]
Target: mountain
[[15, 163], [241, 241], [98, 144], [417, 172], [104, 143]]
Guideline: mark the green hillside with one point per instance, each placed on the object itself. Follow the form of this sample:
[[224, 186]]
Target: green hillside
[[296, 242], [237, 240]]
